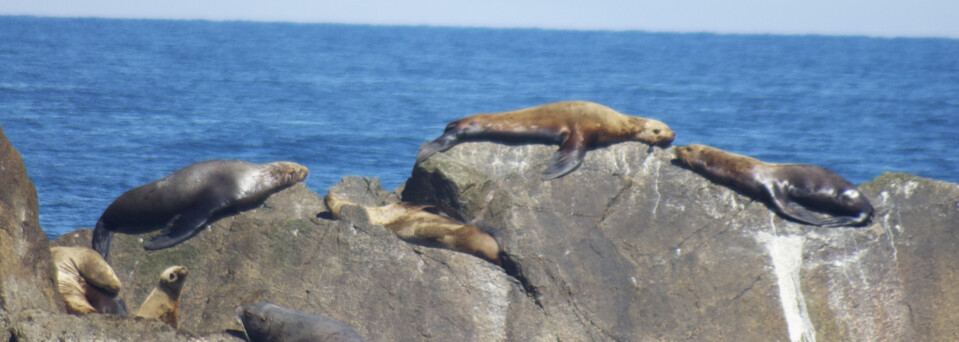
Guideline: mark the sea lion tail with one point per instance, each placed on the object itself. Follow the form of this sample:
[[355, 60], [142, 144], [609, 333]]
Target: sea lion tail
[[101, 239]]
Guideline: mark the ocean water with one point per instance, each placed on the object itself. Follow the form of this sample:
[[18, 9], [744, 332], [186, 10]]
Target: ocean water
[[99, 106]]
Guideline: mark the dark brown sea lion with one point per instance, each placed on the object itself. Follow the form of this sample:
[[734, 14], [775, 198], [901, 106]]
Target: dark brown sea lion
[[796, 191], [420, 224], [576, 125], [86, 282], [187, 200], [163, 303], [268, 322]]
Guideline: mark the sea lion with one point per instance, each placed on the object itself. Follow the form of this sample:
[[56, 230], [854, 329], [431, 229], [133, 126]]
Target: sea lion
[[163, 303], [187, 200], [796, 191], [267, 322], [420, 224], [86, 282], [575, 125]]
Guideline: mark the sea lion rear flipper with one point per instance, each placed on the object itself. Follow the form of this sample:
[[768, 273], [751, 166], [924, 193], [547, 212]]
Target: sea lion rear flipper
[[441, 144], [182, 227], [567, 158], [101, 239]]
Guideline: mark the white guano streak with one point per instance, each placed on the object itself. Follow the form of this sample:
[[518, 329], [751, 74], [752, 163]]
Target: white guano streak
[[786, 254]]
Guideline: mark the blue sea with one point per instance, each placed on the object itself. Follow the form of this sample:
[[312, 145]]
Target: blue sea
[[99, 106]]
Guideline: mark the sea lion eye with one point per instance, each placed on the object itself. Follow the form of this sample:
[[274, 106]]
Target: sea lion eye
[[656, 131]]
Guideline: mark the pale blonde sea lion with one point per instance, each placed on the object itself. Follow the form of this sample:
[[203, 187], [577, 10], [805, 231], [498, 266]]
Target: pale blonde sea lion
[[87, 283], [163, 303], [420, 224], [576, 125]]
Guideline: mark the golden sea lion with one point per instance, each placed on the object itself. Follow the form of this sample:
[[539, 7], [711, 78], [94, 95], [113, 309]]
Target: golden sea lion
[[87, 283], [163, 303], [420, 224], [793, 190], [576, 125], [189, 199]]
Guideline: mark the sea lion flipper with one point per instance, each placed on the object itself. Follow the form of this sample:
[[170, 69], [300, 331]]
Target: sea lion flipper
[[181, 228], [101, 239], [441, 144], [793, 210], [567, 158], [97, 272]]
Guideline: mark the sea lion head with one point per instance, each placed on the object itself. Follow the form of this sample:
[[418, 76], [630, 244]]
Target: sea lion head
[[256, 320], [484, 246], [692, 156], [173, 277], [289, 172], [653, 132]]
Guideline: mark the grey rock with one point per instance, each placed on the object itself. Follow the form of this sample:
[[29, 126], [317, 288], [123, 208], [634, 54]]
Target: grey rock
[[27, 275], [350, 271], [631, 247], [42, 326]]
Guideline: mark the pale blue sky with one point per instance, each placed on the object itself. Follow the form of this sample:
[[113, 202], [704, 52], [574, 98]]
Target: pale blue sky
[[885, 18]]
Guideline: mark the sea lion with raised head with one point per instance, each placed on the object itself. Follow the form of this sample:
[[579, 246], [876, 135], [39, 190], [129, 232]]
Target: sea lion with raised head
[[576, 125], [268, 322], [187, 200], [163, 303], [424, 225], [796, 191], [86, 282]]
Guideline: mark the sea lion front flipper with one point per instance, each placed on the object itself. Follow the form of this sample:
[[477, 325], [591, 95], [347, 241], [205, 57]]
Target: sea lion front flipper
[[791, 209], [182, 227], [568, 157]]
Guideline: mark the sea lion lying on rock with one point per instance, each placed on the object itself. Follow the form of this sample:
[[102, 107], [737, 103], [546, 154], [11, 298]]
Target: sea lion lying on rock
[[87, 283], [796, 191], [576, 125], [268, 322], [189, 199], [420, 224]]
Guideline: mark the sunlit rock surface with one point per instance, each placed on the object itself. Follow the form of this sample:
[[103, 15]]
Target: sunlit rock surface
[[629, 247], [632, 247], [27, 276]]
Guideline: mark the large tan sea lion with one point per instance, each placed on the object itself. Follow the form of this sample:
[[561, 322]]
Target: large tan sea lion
[[420, 224], [268, 322], [796, 191], [576, 125], [185, 201], [87, 283], [163, 303]]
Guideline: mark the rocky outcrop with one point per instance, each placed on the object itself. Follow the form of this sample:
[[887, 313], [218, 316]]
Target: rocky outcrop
[[350, 271], [27, 275], [629, 247], [42, 326]]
